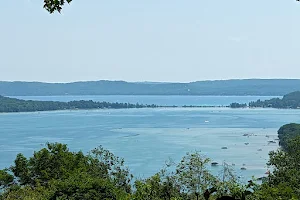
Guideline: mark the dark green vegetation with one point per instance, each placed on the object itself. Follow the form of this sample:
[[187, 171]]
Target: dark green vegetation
[[16, 105], [259, 87], [284, 182], [55, 5], [8, 104], [291, 100], [55, 172], [238, 105], [287, 133]]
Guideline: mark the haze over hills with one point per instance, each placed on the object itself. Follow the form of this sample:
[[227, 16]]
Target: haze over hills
[[262, 87]]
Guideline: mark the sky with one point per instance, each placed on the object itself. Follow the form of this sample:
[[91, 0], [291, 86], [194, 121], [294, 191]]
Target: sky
[[150, 40]]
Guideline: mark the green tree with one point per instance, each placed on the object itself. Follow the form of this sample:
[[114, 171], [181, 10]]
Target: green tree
[[160, 186], [55, 172], [6, 179], [193, 175], [227, 184], [286, 166], [288, 132], [284, 181]]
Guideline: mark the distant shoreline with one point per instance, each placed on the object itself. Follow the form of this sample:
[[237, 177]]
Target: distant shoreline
[[15, 105], [234, 87], [176, 95]]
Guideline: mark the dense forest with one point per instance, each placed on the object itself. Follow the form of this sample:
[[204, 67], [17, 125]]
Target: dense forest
[[288, 132], [238, 105], [55, 172], [256, 87], [291, 100], [17, 105]]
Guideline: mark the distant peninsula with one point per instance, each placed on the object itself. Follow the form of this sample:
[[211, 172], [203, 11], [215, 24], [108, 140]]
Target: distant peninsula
[[8, 105], [253, 87], [289, 101]]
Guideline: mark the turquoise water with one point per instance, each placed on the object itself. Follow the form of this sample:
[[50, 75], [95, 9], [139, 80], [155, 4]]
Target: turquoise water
[[146, 138]]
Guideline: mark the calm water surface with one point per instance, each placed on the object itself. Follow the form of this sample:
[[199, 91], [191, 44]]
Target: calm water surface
[[146, 138]]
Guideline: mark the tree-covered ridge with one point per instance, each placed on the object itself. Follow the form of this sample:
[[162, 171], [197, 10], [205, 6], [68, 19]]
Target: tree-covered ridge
[[17, 105], [254, 87], [291, 100], [293, 96], [288, 132]]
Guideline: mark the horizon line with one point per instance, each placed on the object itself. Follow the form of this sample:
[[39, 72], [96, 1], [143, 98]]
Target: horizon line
[[145, 82]]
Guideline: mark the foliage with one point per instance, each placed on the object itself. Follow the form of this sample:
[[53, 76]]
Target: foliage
[[55, 5], [280, 191], [55, 172], [228, 185], [157, 187], [286, 166], [27, 193], [60, 174], [284, 181], [288, 132], [238, 105], [83, 186], [193, 175], [5, 178]]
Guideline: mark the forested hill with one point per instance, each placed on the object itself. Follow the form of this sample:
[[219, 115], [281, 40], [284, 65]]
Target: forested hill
[[291, 100], [288, 132], [263, 87], [17, 105]]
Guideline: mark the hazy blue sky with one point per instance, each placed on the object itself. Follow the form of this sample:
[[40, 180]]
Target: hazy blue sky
[[150, 40]]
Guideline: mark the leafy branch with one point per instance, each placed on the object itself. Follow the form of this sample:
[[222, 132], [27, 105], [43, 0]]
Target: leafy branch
[[55, 5]]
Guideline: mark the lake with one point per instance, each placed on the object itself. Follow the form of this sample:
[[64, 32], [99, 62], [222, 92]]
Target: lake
[[146, 138]]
